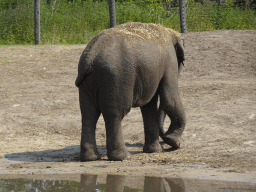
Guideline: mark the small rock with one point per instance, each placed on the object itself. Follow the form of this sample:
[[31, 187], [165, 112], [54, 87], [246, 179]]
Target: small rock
[[249, 142], [252, 116]]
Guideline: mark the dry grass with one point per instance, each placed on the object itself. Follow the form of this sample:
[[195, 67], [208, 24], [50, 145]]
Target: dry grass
[[143, 31]]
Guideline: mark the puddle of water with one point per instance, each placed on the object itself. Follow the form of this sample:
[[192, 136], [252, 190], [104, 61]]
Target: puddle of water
[[116, 183]]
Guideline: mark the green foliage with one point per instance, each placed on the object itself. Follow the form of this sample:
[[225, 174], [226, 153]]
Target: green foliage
[[229, 16], [14, 21], [147, 13], [73, 22], [77, 21], [207, 16]]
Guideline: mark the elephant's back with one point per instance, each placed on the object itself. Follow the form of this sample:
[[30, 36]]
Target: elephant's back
[[124, 48], [136, 31]]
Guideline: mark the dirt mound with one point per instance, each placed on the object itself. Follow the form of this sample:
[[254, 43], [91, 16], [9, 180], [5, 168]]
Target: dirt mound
[[40, 117]]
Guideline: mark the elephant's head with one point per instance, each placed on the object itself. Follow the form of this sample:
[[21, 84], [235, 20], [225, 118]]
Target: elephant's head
[[179, 48]]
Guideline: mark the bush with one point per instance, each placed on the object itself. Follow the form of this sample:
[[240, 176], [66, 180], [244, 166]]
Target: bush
[[207, 16], [15, 21], [77, 21], [79, 24]]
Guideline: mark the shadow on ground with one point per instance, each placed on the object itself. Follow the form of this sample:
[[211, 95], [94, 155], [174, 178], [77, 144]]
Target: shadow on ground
[[70, 153]]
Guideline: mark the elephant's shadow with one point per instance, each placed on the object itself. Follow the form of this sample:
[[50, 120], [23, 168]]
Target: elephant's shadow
[[70, 153], [166, 148]]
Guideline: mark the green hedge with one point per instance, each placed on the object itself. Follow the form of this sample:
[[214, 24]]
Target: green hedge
[[78, 21]]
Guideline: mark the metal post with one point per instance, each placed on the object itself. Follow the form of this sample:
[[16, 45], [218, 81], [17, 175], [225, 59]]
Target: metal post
[[37, 21], [182, 9], [112, 13]]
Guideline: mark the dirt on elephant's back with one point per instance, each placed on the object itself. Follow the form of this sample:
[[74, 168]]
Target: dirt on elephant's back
[[40, 119]]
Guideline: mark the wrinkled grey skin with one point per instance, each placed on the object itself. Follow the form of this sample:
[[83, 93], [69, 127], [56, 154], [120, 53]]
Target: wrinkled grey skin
[[167, 137], [114, 78]]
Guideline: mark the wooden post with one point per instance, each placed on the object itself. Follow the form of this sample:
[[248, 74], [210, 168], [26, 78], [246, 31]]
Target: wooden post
[[37, 21], [182, 9], [112, 13]]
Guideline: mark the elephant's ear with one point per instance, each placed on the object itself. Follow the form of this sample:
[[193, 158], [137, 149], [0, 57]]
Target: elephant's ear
[[179, 48]]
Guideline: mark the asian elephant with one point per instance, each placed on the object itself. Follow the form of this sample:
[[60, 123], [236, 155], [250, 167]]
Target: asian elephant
[[130, 65]]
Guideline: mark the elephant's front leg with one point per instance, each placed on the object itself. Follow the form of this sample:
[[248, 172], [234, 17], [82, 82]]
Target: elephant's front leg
[[178, 122], [151, 127], [90, 115], [161, 118], [174, 109], [171, 103]]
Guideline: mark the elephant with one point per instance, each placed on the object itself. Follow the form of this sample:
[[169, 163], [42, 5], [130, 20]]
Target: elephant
[[131, 65]]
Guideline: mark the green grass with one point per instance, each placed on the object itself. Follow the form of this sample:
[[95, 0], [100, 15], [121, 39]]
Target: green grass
[[210, 16], [78, 21]]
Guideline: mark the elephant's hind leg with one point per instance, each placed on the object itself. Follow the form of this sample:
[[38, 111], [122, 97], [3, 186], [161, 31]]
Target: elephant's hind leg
[[90, 115], [116, 149], [151, 127]]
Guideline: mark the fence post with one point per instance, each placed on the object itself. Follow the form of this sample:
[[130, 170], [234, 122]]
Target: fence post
[[182, 9], [112, 13], [37, 21]]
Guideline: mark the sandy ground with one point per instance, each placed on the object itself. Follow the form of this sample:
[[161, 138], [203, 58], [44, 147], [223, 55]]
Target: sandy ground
[[40, 117]]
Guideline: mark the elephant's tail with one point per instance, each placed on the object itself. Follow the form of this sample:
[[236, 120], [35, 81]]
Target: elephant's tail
[[84, 69], [87, 58], [180, 54]]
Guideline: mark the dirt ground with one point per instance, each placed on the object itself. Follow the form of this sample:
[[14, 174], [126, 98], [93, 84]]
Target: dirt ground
[[40, 119]]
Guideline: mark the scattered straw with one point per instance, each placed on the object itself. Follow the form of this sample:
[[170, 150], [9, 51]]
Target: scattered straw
[[143, 31]]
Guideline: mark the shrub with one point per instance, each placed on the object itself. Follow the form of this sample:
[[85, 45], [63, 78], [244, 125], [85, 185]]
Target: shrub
[[78, 21]]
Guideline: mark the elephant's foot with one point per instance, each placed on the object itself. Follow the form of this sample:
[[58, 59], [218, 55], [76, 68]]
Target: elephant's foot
[[89, 155], [118, 155], [153, 148], [172, 140]]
